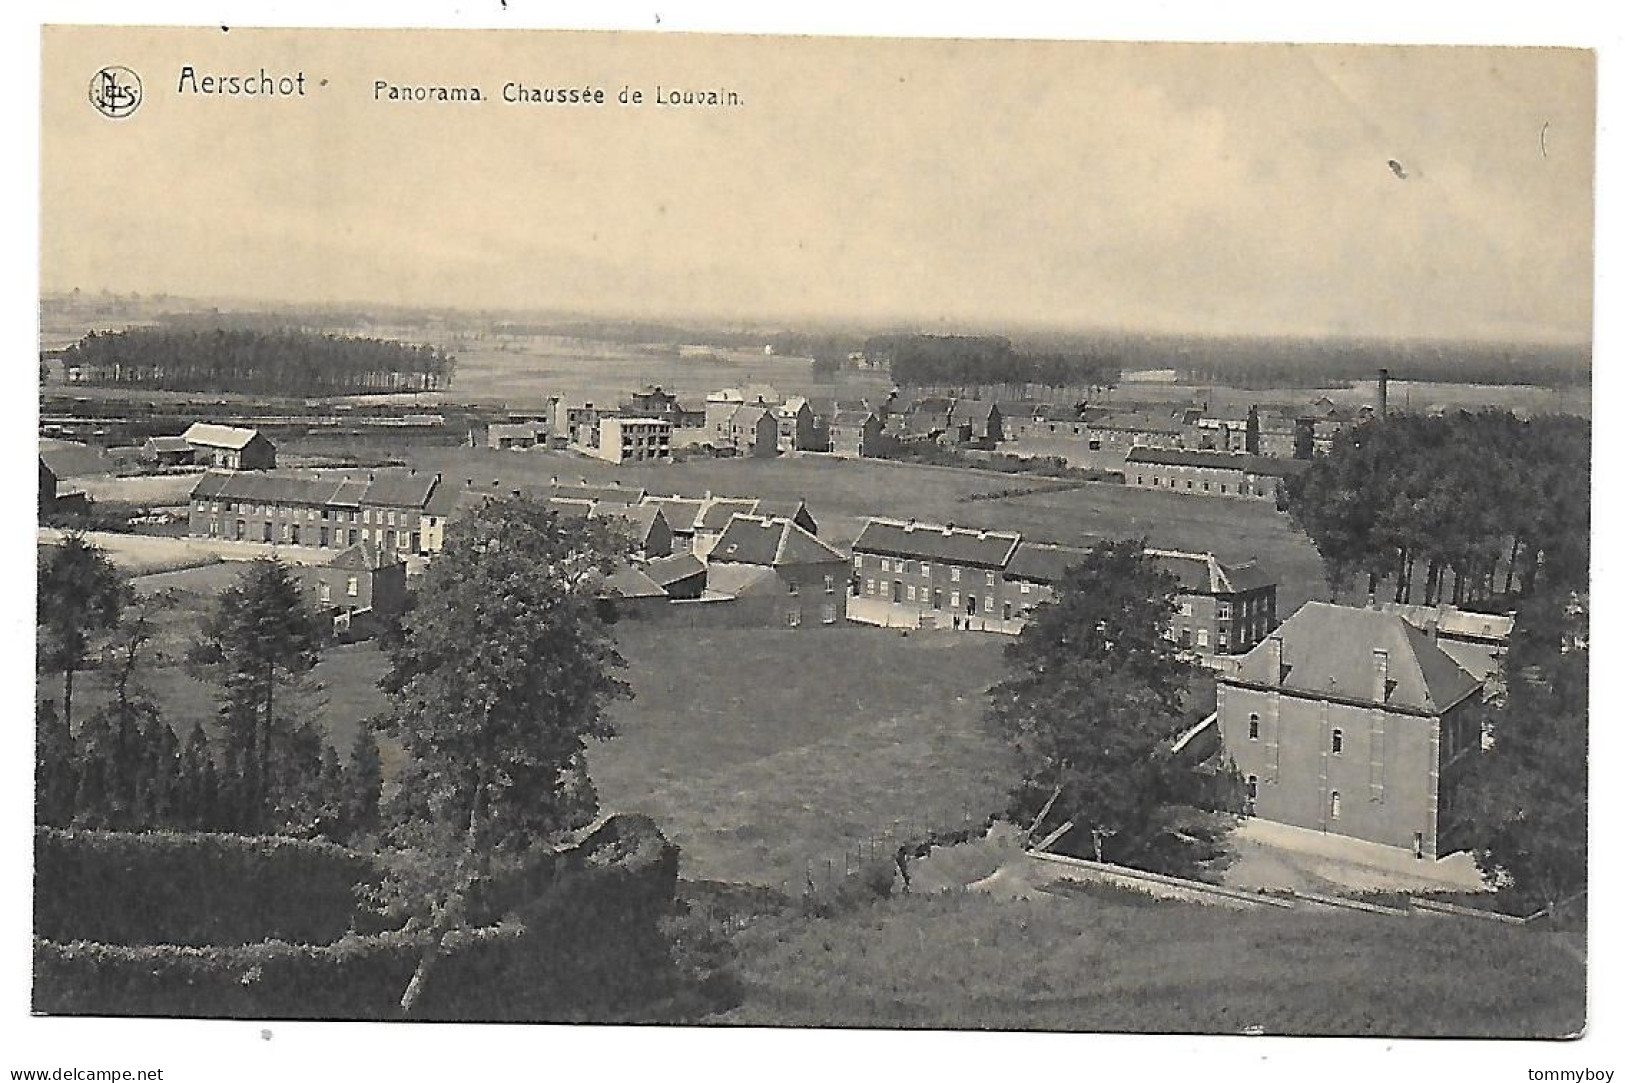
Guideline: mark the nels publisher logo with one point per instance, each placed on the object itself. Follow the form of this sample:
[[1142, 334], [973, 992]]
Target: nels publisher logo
[[115, 91]]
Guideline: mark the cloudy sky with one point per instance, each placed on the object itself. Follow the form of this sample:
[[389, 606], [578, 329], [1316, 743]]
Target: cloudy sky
[[969, 183]]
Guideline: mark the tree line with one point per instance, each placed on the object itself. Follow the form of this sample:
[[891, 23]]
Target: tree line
[[969, 361], [124, 768], [1467, 507], [289, 362]]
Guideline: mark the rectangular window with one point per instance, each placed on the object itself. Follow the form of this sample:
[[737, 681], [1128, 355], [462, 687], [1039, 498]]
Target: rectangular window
[[352, 586], [857, 560], [324, 538], [326, 592], [869, 585], [793, 587], [925, 569], [829, 613], [953, 600], [885, 565], [1184, 609], [911, 592], [829, 584], [953, 574], [1201, 637], [1026, 588], [990, 579], [792, 617]]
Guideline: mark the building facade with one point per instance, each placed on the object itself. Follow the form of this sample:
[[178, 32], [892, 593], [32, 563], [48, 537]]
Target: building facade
[[633, 440], [1353, 722], [229, 448], [1210, 473], [383, 511], [811, 575]]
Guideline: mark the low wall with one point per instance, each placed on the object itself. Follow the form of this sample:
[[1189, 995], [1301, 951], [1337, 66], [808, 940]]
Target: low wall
[[1153, 883]]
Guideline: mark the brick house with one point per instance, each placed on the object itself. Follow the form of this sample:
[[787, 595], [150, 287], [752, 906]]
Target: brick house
[[981, 419], [912, 575], [754, 431], [1210, 473], [855, 434], [797, 425], [359, 588], [811, 574], [230, 448], [1353, 722], [285, 509]]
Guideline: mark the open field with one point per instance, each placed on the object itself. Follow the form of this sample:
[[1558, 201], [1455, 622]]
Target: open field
[[1114, 961], [843, 492], [758, 751], [145, 554]]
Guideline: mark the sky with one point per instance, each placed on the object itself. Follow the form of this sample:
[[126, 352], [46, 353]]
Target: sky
[[1358, 190]]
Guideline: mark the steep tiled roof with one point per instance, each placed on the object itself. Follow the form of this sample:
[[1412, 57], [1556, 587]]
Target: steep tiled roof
[[984, 548], [749, 417], [633, 583], [1038, 562], [973, 408], [1137, 422], [717, 513], [851, 418], [751, 539], [1327, 650], [674, 569], [681, 513], [363, 558], [734, 580], [640, 517], [225, 436], [1217, 460], [608, 494], [271, 487]]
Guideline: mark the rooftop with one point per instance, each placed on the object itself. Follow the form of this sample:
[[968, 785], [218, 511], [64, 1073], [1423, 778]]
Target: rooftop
[[955, 545], [1327, 650], [751, 539], [1218, 460], [225, 436]]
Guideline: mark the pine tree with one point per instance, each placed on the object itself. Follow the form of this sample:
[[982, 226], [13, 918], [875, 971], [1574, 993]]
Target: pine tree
[[364, 784], [259, 638], [80, 597]]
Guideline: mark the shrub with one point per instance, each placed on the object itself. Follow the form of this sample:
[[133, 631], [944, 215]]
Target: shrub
[[192, 888]]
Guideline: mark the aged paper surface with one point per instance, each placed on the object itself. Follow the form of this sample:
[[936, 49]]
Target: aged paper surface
[[637, 247]]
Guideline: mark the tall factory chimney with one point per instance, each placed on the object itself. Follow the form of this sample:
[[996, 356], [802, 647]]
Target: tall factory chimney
[[1382, 393]]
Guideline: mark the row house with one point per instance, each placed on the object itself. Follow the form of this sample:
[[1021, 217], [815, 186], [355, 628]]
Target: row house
[[980, 421], [1354, 722], [919, 575], [912, 575], [1123, 432], [1211, 473], [753, 431], [382, 511]]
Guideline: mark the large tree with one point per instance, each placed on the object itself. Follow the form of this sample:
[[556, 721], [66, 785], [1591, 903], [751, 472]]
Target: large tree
[[503, 676], [80, 597], [1523, 803], [1096, 696], [260, 637]]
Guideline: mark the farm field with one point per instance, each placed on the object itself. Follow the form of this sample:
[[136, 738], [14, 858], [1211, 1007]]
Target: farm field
[[1101, 960], [844, 492], [761, 751]]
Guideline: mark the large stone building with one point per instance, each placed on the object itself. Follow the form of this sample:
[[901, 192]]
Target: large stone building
[[1353, 722], [1210, 473]]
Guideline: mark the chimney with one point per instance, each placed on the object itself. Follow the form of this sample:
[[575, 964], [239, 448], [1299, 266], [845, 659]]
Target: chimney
[[947, 529], [908, 527], [554, 480], [1382, 392], [1274, 672], [468, 483], [1379, 675]]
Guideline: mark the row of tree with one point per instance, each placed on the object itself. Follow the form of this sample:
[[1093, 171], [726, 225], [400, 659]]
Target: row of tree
[[965, 361], [1466, 506], [124, 768], [287, 362]]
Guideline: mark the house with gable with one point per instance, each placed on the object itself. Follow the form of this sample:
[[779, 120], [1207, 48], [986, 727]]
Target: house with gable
[[810, 575], [1352, 721]]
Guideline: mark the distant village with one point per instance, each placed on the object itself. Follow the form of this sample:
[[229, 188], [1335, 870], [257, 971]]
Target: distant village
[[1360, 715]]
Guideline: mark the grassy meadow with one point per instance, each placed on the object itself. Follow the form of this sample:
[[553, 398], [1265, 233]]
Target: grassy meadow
[[1116, 961]]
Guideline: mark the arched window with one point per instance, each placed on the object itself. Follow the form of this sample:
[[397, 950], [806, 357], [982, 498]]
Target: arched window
[[1337, 742]]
